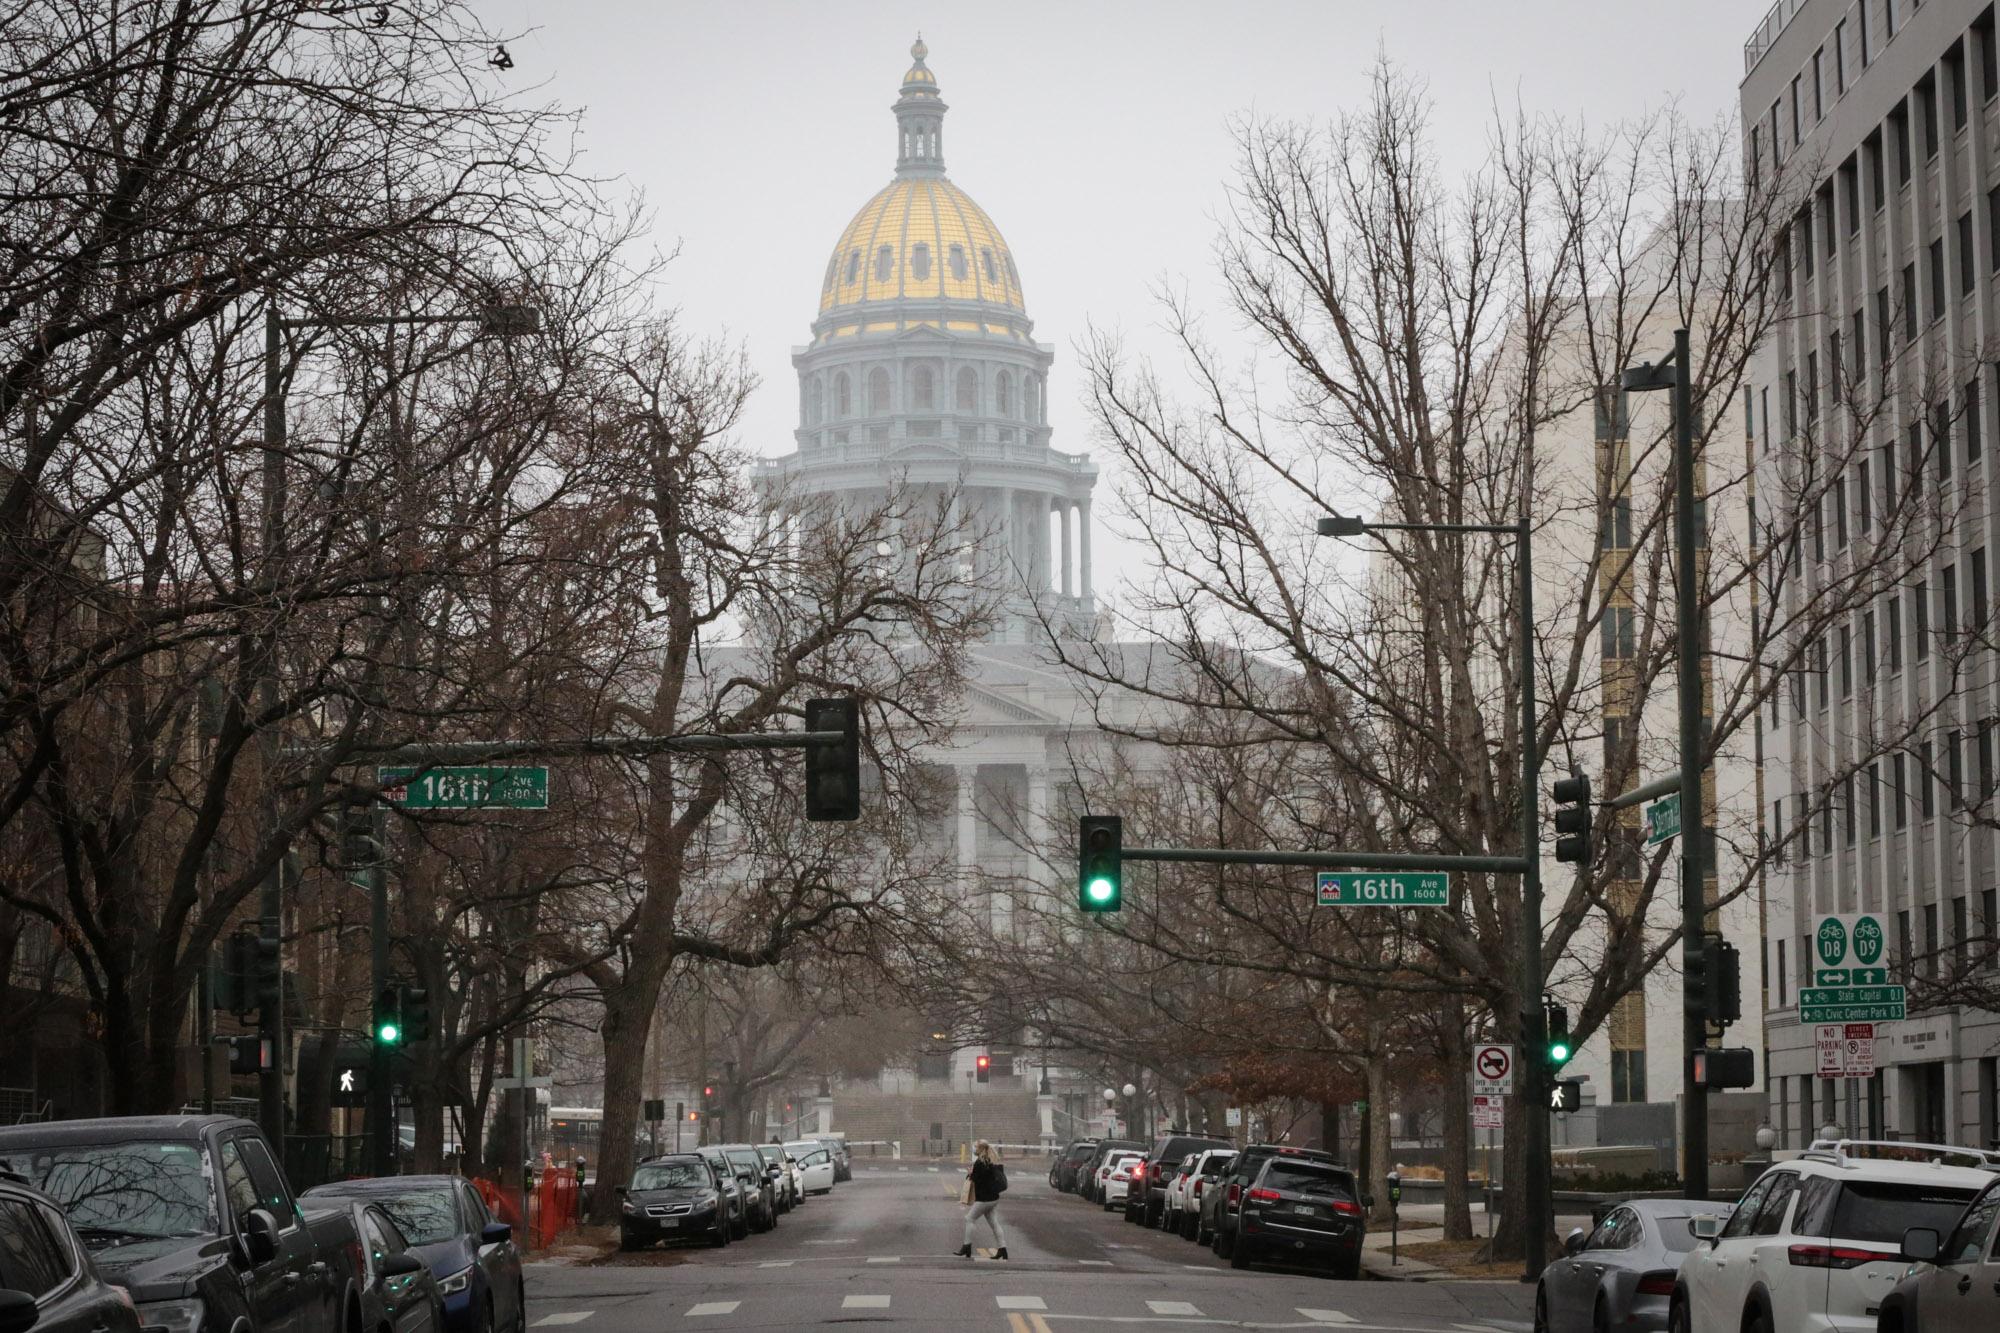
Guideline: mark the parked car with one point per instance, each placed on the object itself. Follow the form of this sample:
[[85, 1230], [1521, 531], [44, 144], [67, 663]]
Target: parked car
[[1147, 1198], [47, 1279], [678, 1196], [1114, 1178], [758, 1188], [1063, 1175], [1179, 1176], [816, 1169], [836, 1147], [1227, 1190], [1091, 1175], [784, 1173], [1620, 1273], [1816, 1242], [1206, 1176], [736, 1195], [192, 1215], [399, 1290], [1955, 1284], [472, 1255], [1301, 1211]]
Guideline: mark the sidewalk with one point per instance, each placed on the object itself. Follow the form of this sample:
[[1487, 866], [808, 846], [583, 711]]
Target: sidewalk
[[1422, 1225]]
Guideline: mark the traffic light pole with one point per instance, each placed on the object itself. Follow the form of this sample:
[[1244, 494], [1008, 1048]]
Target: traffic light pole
[[1538, 1179], [271, 897], [381, 1110]]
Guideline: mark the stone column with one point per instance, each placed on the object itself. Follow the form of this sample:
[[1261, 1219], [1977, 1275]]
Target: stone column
[[968, 821], [1068, 564], [1038, 816], [1045, 1103], [823, 1111], [1007, 526], [1083, 525]]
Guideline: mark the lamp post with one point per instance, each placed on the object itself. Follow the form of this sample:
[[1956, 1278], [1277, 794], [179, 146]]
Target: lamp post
[[1537, 1186], [499, 320], [1694, 905]]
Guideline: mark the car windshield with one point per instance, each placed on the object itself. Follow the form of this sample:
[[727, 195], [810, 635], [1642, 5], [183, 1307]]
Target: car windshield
[[1214, 1166], [1879, 1211], [423, 1216], [772, 1154], [747, 1161], [1300, 1178], [670, 1176], [134, 1191]]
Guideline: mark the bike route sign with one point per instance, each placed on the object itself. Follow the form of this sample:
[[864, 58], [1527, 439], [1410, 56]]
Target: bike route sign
[[1851, 972]]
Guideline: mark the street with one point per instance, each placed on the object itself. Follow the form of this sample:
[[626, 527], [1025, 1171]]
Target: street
[[880, 1250]]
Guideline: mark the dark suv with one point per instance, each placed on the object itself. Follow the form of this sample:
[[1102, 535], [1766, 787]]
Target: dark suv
[[1225, 1196], [674, 1197], [1064, 1173], [1147, 1198], [1299, 1211]]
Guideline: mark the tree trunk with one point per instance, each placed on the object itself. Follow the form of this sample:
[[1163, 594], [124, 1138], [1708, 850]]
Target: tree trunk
[[1457, 1122], [628, 1010], [1509, 1233], [1329, 1127], [1378, 1134]]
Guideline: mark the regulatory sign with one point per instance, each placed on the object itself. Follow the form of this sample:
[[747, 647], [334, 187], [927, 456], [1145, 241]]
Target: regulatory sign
[[1339, 888], [1844, 1050], [480, 787], [1232, 1117], [1486, 1112], [1663, 819], [1492, 1070]]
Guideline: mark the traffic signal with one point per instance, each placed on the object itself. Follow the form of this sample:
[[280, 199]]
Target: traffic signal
[[1722, 981], [388, 1028], [363, 847], [1696, 963], [1566, 1095], [1573, 818], [234, 986], [1725, 1067], [1100, 843], [833, 769], [1555, 1019], [416, 1009], [268, 970], [246, 1054], [983, 1067]]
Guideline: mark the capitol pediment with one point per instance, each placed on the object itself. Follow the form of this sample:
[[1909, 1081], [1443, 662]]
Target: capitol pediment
[[922, 451], [984, 708]]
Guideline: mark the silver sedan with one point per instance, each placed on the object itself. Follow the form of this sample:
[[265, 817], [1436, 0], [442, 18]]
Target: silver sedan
[[1619, 1274]]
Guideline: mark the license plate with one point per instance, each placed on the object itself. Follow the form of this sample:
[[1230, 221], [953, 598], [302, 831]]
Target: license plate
[[669, 1221], [1304, 1209]]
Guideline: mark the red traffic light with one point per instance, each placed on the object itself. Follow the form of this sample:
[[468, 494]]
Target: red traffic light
[[985, 1062], [694, 1115], [708, 1091]]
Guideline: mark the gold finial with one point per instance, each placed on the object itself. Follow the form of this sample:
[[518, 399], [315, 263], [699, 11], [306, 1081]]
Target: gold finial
[[918, 50]]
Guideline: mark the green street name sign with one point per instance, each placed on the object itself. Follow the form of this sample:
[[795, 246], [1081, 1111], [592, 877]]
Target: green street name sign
[[1851, 976], [1853, 1013], [480, 787], [1663, 819], [1339, 888], [1852, 995]]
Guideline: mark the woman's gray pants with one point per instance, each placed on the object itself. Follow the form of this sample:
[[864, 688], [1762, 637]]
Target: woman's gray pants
[[987, 1211]]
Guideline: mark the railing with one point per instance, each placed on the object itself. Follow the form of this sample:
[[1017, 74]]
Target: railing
[[1766, 34], [555, 1205]]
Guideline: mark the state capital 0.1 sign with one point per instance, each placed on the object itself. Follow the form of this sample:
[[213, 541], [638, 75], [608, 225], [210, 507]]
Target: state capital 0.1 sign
[[1852, 980]]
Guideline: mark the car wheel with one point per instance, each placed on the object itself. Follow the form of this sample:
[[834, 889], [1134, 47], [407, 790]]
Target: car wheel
[[1225, 1244], [1677, 1317], [1600, 1318], [721, 1237], [1541, 1310], [1760, 1322], [1239, 1255], [520, 1307], [1348, 1270], [626, 1242]]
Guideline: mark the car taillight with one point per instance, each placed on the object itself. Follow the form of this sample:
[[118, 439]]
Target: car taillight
[[1197, 1189], [1348, 1206], [1265, 1196], [1659, 1283], [1834, 1256], [1235, 1192], [1139, 1171]]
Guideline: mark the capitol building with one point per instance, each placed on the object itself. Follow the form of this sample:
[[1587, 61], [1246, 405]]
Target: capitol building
[[923, 372]]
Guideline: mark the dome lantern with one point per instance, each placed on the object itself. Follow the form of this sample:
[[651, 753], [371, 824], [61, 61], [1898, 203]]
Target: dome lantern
[[919, 119]]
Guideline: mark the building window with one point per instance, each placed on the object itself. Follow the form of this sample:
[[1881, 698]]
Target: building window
[[1954, 771], [920, 260], [923, 389], [1847, 812], [986, 258], [968, 388], [959, 268], [1965, 258], [1948, 601], [1805, 828], [1903, 943], [1926, 96], [843, 395], [1628, 1076], [1616, 634], [813, 395], [878, 391], [1864, 497], [1933, 946], [1617, 528], [1837, 497], [1874, 802], [1976, 613], [1989, 67], [1003, 394], [1899, 129], [1819, 85], [885, 263], [1882, 331], [1909, 302], [1920, 610], [1819, 669], [1926, 779], [1846, 662], [1777, 835], [1892, 637], [1781, 974], [1798, 127], [1900, 791], [1868, 647], [1954, 69], [1840, 57], [853, 265], [1936, 255], [1971, 421]]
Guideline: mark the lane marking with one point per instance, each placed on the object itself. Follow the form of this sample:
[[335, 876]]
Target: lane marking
[[1096, 1263], [885, 1258], [1172, 1307], [777, 1263], [1327, 1316], [865, 1303], [713, 1307], [1021, 1302], [566, 1317], [844, 1240]]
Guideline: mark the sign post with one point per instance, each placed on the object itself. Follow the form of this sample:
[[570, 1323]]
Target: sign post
[[524, 1081]]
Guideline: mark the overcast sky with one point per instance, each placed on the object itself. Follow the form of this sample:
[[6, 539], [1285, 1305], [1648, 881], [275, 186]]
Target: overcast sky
[[1095, 134]]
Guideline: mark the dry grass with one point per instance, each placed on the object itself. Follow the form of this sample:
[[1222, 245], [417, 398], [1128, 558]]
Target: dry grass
[[1459, 1256]]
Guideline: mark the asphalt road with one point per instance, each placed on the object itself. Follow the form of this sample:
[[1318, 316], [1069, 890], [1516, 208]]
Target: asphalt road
[[880, 1250]]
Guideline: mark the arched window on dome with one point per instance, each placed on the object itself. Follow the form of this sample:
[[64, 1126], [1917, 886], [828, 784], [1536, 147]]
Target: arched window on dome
[[878, 392], [885, 263], [920, 261], [923, 390], [1033, 385], [853, 265], [1003, 394], [813, 397], [968, 387], [1013, 274], [959, 268], [986, 256], [843, 395], [832, 272]]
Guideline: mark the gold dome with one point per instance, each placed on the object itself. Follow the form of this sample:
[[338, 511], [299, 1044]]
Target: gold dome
[[921, 238]]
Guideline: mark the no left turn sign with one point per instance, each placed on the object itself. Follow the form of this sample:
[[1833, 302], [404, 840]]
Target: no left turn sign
[[1492, 1070]]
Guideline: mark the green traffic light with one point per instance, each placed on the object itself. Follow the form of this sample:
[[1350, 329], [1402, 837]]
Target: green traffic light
[[388, 1034], [1559, 1052], [1101, 890]]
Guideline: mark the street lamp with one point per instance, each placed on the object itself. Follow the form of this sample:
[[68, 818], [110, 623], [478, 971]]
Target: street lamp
[[1677, 377], [1535, 1091], [1130, 1090], [498, 320]]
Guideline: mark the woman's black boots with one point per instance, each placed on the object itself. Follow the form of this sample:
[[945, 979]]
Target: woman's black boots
[[965, 1251], [1001, 1253]]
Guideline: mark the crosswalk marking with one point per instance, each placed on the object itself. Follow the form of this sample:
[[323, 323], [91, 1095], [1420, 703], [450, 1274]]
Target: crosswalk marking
[[565, 1317], [1326, 1316], [1172, 1307], [713, 1307], [1021, 1302], [865, 1303]]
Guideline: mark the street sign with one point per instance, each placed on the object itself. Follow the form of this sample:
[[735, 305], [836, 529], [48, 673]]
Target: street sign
[[1232, 1117], [1844, 1050], [1492, 1070], [477, 787], [350, 1085], [1663, 819], [1486, 1112], [1853, 984], [1339, 888]]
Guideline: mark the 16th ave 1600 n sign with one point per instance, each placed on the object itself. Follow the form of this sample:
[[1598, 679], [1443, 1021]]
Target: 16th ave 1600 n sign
[[1339, 888]]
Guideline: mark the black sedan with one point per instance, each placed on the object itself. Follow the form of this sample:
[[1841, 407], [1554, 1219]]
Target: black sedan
[[675, 1197], [472, 1256], [47, 1281], [399, 1294]]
